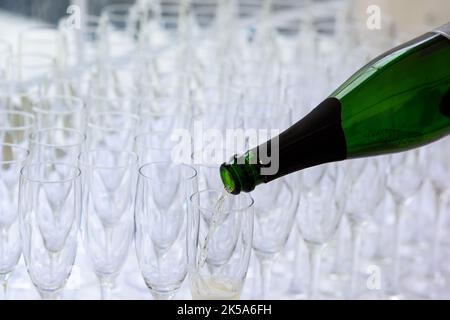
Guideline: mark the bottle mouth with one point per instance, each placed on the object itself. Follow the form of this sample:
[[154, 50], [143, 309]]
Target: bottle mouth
[[229, 179]]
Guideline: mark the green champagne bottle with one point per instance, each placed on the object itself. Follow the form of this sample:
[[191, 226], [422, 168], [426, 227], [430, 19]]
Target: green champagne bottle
[[398, 101]]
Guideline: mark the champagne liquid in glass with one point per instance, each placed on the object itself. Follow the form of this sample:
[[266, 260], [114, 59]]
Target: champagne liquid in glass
[[214, 289], [215, 219]]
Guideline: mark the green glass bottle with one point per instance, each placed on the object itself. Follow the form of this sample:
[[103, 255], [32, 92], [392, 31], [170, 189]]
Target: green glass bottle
[[398, 101]]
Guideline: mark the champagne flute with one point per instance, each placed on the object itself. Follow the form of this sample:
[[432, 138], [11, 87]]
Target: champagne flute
[[12, 158], [15, 127], [34, 69], [6, 61], [318, 220], [220, 231], [111, 130], [109, 190], [49, 211], [275, 209], [307, 181], [60, 112], [404, 181], [161, 225], [360, 205], [61, 145]]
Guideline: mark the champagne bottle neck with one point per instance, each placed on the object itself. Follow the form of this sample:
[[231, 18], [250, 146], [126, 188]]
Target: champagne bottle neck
[[316, 139]]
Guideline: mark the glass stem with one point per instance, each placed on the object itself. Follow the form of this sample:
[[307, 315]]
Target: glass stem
[[4, 287], [108, 243], [163, 296], [296, 282], [265, 268], [355, 229], [337, 265], [397, 245], [3, 240], [105, 289], [380, 250], [435, 250], [49, 295], [315, 255], [3, 277]]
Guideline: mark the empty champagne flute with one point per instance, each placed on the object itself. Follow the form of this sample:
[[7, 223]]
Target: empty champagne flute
[[5, 61], [86, 40], [318, 220], [111, 130], [208, 99], [49, 211], [438, 173], [109, 189], [61, 145], [115, 81], [164, 115], [161, 225], [157, 146], [218, 128], [118, 31], [403, 182], [60, 112], [15, 127], [74, 85], [360, 206], [106, 103], [34, 69], [220, 233], [14, 96], [12, 158], [307, 181], [275, 209]]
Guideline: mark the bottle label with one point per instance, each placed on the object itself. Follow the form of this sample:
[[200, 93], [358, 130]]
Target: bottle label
[[443, 30]]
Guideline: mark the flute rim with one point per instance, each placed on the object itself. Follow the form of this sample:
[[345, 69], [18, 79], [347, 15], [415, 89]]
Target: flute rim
[[81, 135], [36, 164], [247, 195], [147, 177], [27, 115], [129, 115], [103, 167], [16, 146], [137, 140], [79, 105]]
